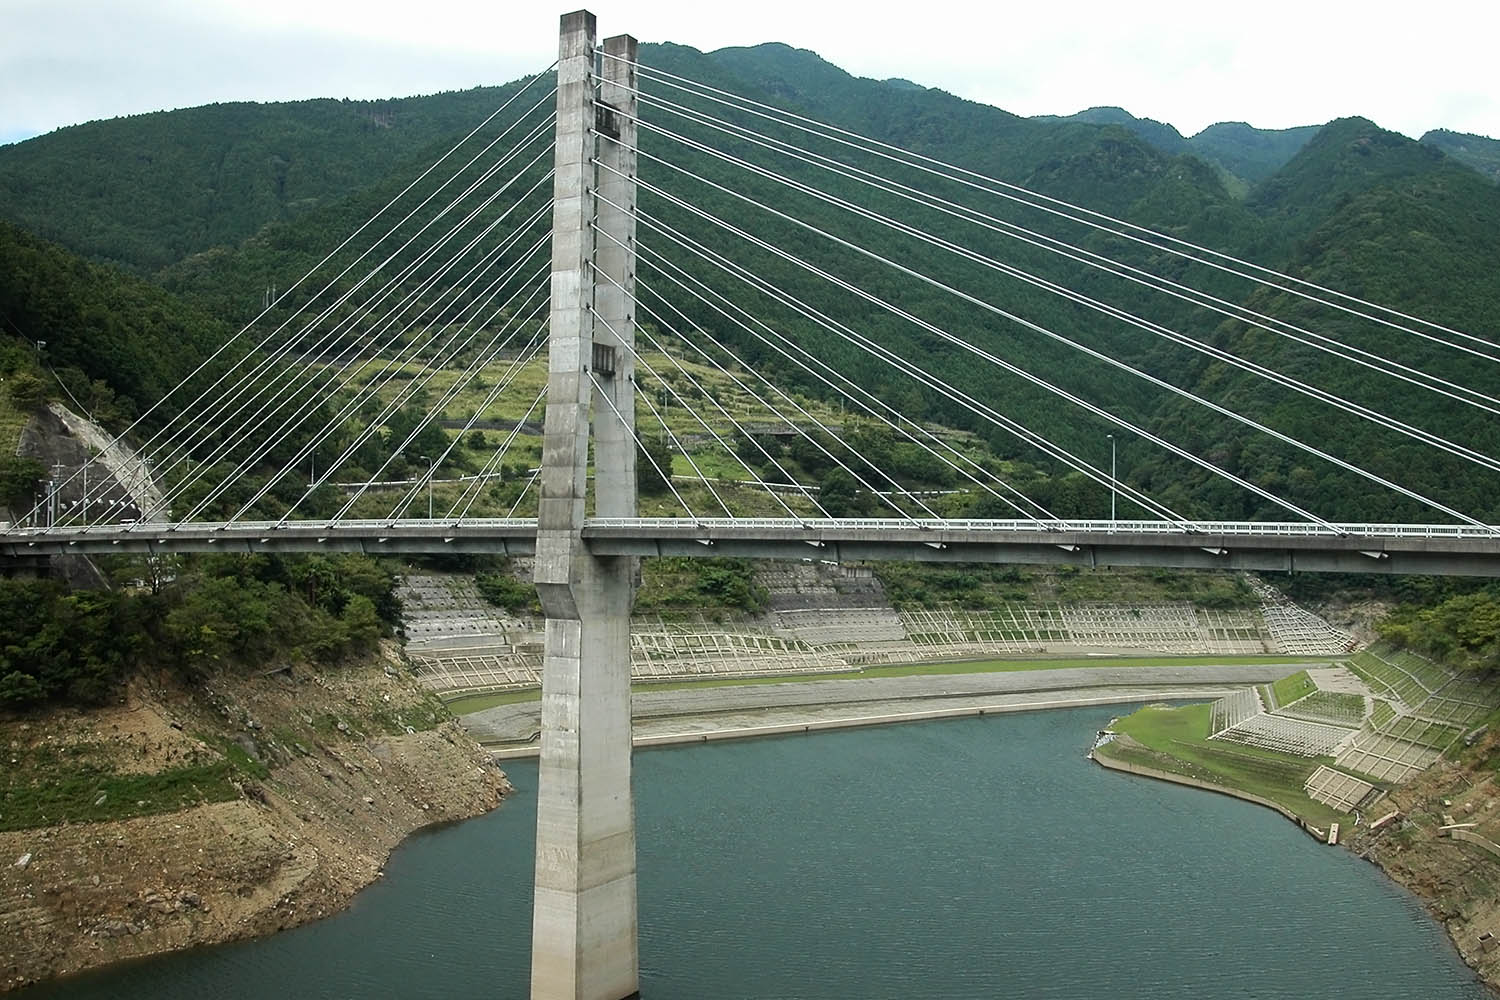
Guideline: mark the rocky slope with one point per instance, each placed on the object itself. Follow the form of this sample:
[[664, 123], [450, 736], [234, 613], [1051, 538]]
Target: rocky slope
[[1458, 882], [328, 770]]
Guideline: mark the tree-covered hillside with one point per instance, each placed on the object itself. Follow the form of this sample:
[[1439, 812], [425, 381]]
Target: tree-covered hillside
[[1358, 208], [1477, 151], [149, 190], [1379, 216], [1249, 153], [118, 342], [1246, 155]]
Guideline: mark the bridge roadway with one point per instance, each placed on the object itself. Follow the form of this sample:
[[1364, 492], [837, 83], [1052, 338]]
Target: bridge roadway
[[1452, 550]]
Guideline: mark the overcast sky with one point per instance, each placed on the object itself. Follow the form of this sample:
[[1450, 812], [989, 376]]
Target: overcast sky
[[1273, 64]]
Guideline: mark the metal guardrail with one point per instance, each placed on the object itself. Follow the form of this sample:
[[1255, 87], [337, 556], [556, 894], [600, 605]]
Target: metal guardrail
[[1294, 529], [748, 526], [1459, 550]]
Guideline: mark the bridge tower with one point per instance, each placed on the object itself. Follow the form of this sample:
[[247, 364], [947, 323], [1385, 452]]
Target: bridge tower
[[584, 924]]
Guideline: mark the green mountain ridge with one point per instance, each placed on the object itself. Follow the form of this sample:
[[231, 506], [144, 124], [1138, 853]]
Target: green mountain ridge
[[1249, 155], [1357, 207], [148, 190], [1477, 151]]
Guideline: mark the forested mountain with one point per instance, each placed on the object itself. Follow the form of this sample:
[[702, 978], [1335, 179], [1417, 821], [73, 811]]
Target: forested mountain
[[119, 342], [148, 190], [1159, 134], [1249, 153], [1477, 151], [1246, 154], [1360, 209]]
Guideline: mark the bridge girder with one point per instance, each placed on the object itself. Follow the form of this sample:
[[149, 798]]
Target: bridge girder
[[1435, 550]]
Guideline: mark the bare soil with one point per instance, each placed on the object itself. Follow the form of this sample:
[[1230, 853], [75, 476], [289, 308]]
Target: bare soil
[[1459, 883], [343, 764], [1357, 617]]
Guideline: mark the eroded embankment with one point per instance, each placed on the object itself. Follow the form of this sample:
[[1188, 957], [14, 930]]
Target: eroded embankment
[[304, 781], [1458, 882]]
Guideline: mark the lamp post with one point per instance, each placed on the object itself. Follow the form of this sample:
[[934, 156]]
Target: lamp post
[[430, 465], [1112, 482], [52, 492]]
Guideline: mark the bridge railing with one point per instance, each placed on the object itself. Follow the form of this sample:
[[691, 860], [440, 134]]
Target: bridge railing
[[1132, 527], [676, 526]]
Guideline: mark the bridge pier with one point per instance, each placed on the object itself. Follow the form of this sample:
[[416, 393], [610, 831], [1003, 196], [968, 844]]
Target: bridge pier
[[584, 919]]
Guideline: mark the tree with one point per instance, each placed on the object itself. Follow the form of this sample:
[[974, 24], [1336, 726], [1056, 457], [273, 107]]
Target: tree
[[504, 590], [840, 495], [653, 461], [18, 481], [431, 440], [28, 392], [1463, 631], [18, 689]]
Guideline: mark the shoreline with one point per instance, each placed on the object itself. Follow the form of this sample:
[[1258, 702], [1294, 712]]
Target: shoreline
[[297, 843], [688, 714], [1450, 928], [1141, 770], [727, 725], [806, 721]]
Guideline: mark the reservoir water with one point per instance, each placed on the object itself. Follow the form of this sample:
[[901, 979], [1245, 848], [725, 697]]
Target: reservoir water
[[959, 859]]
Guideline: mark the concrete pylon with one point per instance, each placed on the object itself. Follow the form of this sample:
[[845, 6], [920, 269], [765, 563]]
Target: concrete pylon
[[584, 923]]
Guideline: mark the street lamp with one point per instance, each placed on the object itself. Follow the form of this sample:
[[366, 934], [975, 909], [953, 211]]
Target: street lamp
[[430, 464], [1113, 486]]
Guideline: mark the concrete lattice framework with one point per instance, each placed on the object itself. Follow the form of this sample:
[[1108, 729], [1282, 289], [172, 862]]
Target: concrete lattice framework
[[1428, 708], [1338, 790], [458, 642]]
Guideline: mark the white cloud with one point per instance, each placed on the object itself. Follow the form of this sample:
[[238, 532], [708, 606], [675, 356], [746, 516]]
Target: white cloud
[[1273, 64]]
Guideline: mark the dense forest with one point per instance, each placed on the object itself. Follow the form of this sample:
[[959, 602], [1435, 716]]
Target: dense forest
[[189, 615], [119, 343]]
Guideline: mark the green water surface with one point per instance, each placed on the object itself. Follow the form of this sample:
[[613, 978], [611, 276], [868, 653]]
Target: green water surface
[[967, 858]]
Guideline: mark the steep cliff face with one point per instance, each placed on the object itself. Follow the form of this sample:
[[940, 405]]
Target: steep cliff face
[[194, 815]]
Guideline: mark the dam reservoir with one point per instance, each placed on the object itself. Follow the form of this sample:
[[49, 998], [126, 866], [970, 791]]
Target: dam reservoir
[[971, 858]]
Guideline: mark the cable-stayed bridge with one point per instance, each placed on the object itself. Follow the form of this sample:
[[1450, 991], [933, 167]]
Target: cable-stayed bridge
[[745, 323]]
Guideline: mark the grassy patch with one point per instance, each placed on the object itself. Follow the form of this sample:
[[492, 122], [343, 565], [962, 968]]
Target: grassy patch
[[1337, 707], [12, 421], [699, 586], [243, 763], [88, 795], [1289, 689], [1176, 740], [471, 703], [427, 714], [479, 702]]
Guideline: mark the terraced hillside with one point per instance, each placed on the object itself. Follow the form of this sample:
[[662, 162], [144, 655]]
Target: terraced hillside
[[820, 619], [1339, 738]]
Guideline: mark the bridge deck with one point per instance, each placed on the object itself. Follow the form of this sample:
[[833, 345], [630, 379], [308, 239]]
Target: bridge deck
[[1252, 545]]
